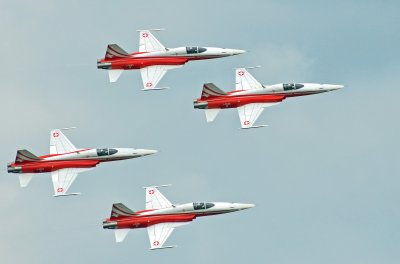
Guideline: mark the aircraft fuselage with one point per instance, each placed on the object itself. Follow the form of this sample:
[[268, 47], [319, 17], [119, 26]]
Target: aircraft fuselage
[[177, 213], [173, 56], [268, 94], [84, 158]]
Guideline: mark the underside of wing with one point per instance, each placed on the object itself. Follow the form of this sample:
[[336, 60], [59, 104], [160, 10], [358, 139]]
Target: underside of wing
[[62, 179], [152, 75], [149, 43], [246, 81], [59, 143], [249, 113], [155, 199], [159, 233]]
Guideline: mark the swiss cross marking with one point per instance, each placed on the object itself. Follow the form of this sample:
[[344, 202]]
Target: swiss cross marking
[[241, 73], [246, 123], [151, 191], [149, 84], [156, 243], [60, 189], [145, 35], [56, 134]]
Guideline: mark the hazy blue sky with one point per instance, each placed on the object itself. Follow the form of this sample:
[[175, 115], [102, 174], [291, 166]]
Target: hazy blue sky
[[324, 175]]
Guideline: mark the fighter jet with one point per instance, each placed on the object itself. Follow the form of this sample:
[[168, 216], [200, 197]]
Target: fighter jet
[[251, 97], [161, 216], [153, 59], [65, 161]]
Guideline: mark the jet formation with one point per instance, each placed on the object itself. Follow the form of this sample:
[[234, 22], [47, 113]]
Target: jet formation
[[65, 161], [154, 60], [251, 97], [161, 216]]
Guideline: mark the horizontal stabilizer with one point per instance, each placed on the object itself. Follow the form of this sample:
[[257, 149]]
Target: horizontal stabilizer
[[114, 75], [211, 114], [120, 235], [25, 155], [24, 179]]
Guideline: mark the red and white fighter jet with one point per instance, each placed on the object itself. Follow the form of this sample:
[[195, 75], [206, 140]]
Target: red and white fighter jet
[[65, 161], [161, 216], [153, 59], [251, 97]]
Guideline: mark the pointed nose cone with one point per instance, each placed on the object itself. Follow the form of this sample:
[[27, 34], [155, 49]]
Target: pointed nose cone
[[237, 51], [145, 152], [332, 87], [241, 206]]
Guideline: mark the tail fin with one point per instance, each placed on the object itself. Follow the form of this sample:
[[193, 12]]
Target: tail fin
[[120, 210], [114, 52], [147, 41], [211, 90], [25, 155]]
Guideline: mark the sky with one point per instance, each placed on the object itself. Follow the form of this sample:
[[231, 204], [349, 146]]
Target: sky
[[324, 174]]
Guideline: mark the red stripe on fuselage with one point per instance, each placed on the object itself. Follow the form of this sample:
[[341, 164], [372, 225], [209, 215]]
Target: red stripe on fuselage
[[149, 220], [237, 101], [234, 101], [49, 166], [137, 62]]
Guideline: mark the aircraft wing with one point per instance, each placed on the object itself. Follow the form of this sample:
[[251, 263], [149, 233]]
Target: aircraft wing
[[155, 199], [159, 233], [59, 143], [152, 75], [246, 81], [63, 178], [149, 43], [249, 113]]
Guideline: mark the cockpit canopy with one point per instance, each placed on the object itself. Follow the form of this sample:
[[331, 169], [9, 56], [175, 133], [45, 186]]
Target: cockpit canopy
[[202, 206], [292, 86], [106, 152], [194, 50]]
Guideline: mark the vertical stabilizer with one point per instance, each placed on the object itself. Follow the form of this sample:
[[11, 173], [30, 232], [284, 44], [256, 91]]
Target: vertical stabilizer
[[211, 90], [24, 155], [120, 210], [115, 52]]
